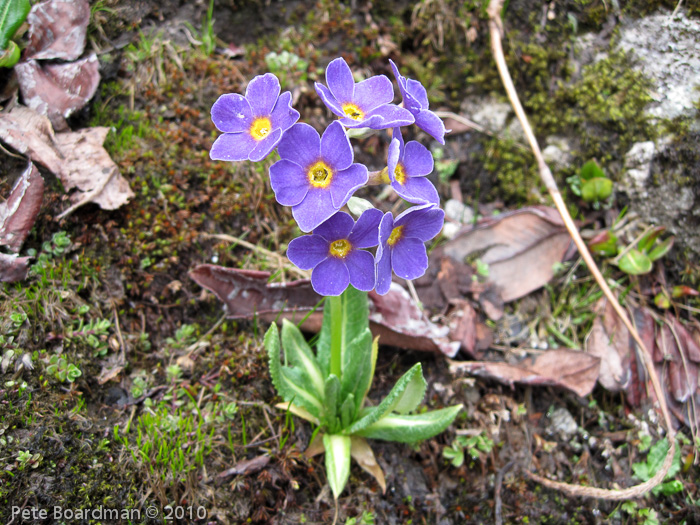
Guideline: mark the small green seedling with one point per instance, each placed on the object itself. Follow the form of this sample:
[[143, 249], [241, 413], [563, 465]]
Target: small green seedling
[[62, 370], [13, 13], [591, 184], [640, 260], [475, 446], [646, 470]]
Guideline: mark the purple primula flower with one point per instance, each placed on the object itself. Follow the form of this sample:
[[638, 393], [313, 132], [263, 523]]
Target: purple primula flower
[[366, 104], [253, 125], [415, 100], [408, 166], [334, 252], [401, 244], [316, 175]]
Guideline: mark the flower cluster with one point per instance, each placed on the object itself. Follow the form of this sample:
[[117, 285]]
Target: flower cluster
[[316, 174]]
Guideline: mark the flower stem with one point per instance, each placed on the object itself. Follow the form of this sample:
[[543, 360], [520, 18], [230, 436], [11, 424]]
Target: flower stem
[[336, 334]]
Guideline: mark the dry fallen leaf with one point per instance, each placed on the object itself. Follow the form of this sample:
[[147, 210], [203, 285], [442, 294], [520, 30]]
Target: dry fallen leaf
[[31, 134], [78, 158], [570, 369], [89, 168], [520, 248], [57, 90], [246, 467], [18, 213], [57, 29], [363, 454], [609, 340], [394, 317], [13, 268]]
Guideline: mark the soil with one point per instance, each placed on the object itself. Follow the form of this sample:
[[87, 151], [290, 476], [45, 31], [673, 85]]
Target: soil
[[173, 395]]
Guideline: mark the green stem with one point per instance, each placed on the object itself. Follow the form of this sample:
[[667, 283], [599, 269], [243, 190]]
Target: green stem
[[336, 334]]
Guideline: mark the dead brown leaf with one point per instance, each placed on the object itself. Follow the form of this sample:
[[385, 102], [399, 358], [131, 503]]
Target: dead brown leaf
[[18, 213], [609, 340], [88, 167], [246, 467], [570, 369], [57, 90], [31, 134], [57, 29], [363, 454], [13, 268], [520, 248]]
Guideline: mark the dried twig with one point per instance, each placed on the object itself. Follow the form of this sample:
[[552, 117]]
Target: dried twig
[[496, 30]]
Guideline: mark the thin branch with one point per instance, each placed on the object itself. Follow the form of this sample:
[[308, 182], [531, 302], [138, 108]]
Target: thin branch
[[496, 30]]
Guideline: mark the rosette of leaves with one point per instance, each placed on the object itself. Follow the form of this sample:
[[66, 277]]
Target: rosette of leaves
[[13, 13], [591, 184], [336, 404]]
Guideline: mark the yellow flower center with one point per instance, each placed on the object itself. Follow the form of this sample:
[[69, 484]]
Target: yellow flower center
[[352, 111], [395, 236], [340, 248], [400, 174], [320, 174], [260, 128]]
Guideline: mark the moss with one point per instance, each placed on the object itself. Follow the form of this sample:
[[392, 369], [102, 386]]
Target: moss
[[515, 170]]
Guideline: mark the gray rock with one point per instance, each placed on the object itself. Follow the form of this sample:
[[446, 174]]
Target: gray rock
[[488, 112], [668, 50], [563, 424], [458, 211]]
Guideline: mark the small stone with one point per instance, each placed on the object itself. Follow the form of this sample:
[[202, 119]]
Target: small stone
[[488, 112], [458, 211], [563, 424]]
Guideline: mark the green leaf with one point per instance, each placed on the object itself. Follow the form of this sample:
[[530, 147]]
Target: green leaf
[[671, 487], [604, 244], [10, 56], [405, 396], [357, 368], [299, 354], [646, 242], [635, 262], [347, 411], [330, 403], [596, 189], [409, 429], [354, 319], [337, 461], [293, 390], [287, 381], [661, 249], [12, 14], [657, 453], [591, 170]]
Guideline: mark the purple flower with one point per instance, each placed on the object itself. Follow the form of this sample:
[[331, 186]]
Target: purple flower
[[253, 125], [415, 100], [316, 175], [333, 251], [401, 244], [408, 167], [366, 104]]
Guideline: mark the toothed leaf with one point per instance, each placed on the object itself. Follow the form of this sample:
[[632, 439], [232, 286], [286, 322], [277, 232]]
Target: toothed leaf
[[337, 461], [411, 428], [299, 355]]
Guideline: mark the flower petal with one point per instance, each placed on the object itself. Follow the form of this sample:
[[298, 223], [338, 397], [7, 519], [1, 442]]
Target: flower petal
[[416, 90], [383, 273], [336, 149], [346, 182], [421, 222], [231, 113], [328, 99], [417, 160], [262, 93], [232, 147], [373, 92], [337, 227], [386, 116], [417, 190], [284, 115], [360, 265], [263, 147], [393, 156], [307, 251], [289, 182], [409, 258], [330, 277], [365, 233], [314, 209], [431, 124], [400, 80], [301, 144], [340, 81], [385, 228]]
